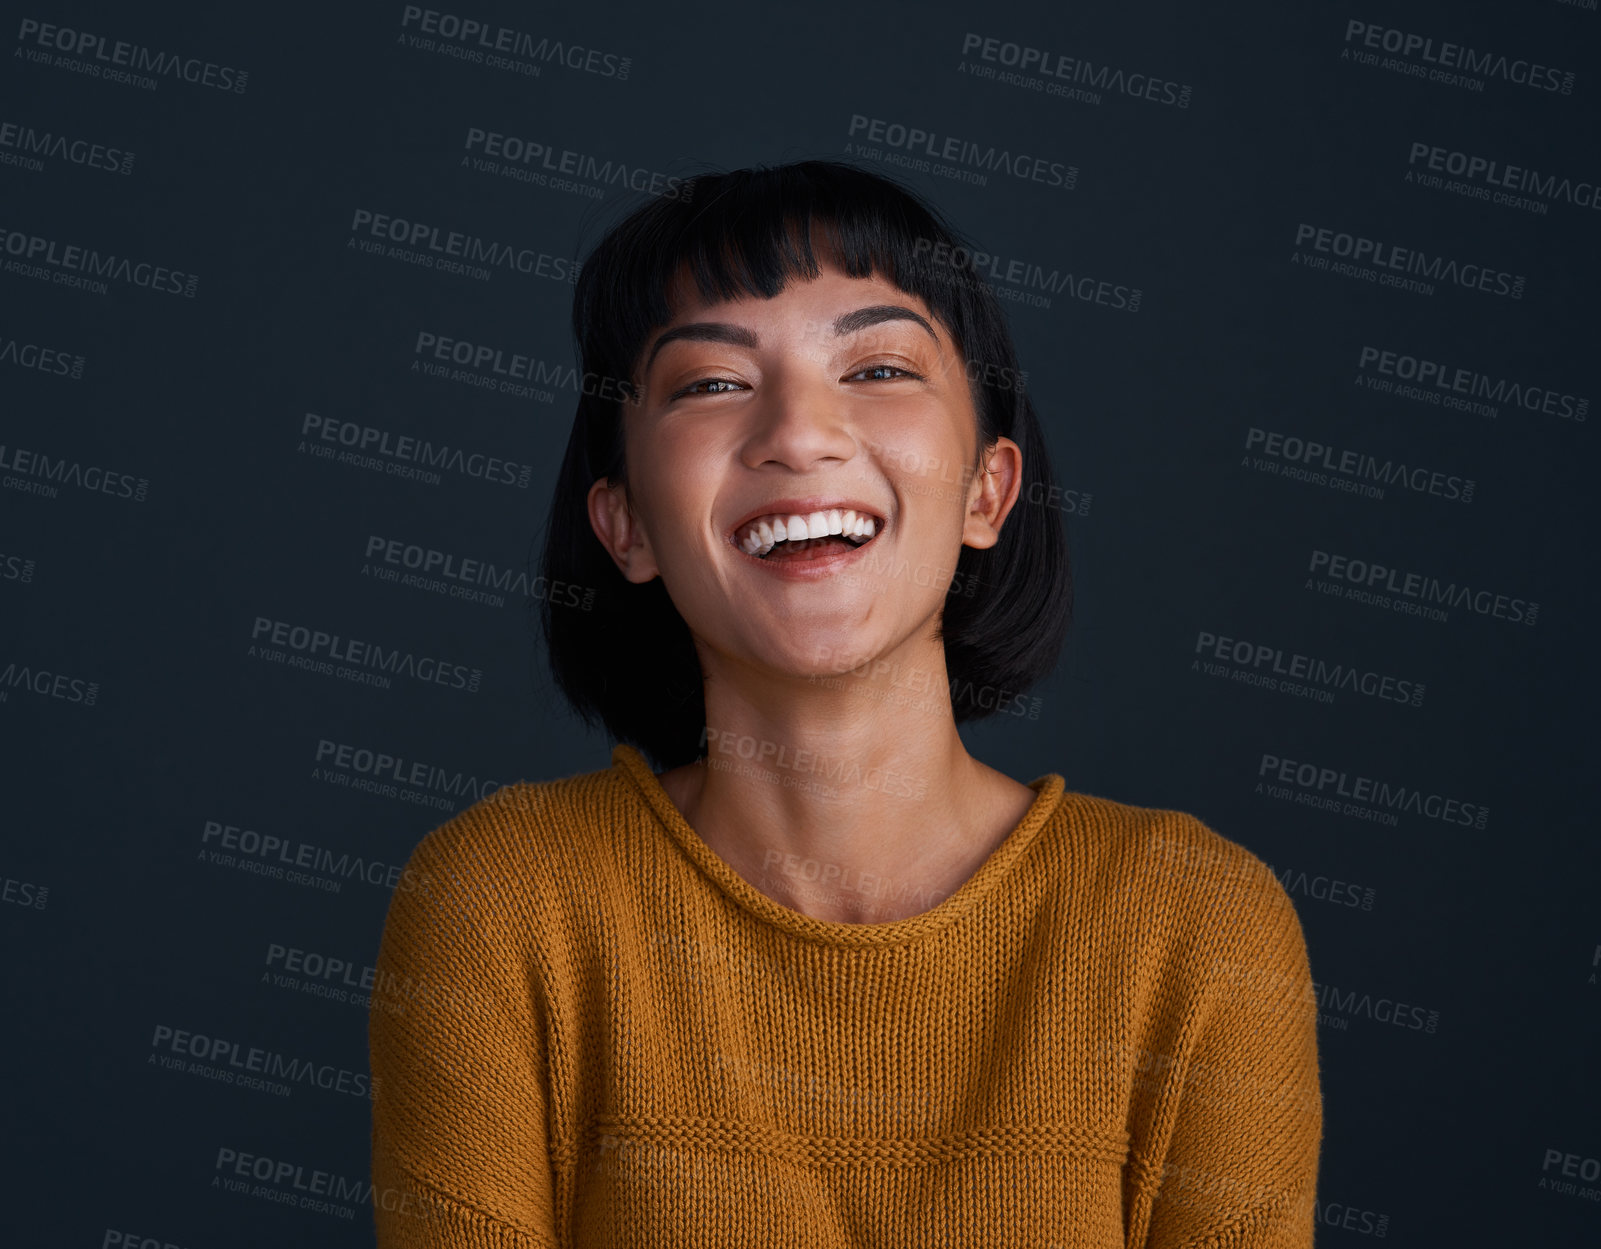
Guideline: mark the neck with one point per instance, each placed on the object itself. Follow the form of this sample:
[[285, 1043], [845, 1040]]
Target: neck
[[850, 798]]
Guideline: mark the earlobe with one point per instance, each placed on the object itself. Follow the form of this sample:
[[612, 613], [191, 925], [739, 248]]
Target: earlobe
[[619, 532], [993, 494]]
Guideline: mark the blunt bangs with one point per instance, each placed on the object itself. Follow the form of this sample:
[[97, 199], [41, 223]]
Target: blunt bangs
[[620, 653]]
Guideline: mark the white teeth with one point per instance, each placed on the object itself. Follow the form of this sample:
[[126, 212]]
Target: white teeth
[[761, 536]]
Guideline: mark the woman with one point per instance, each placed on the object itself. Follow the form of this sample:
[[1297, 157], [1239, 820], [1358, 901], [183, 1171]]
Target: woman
[[825, 979]]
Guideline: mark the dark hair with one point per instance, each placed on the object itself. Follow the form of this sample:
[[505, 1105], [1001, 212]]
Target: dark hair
[[628, 661]]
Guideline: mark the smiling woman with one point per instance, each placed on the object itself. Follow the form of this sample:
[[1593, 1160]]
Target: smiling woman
[[825, 979], [705, 308]]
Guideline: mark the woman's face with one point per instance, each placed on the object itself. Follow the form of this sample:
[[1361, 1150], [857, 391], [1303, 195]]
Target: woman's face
[[838, 392]]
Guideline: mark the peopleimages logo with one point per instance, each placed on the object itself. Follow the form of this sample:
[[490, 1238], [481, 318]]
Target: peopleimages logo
[[267, 854], [19, 464], [377, 769], [529, 160], [343, 981], [465, 578], [29, 148], [1575, 1166], [17, 568], [1337, 1007], [1364, 472], [1023, 280], [116, 60], [1444, 56], [399, 238], [1333, 789], [217, 1058], [1417, 377], [1057, 71], [23, 893], [48, 684], [1324, 888], [1260, 663], [71, 264], [1351, 1219], [403, 455], [486, 43], [486, 363], [1483, 177], [50, 360], [316, 650], [978, 158], [1377, 261], [1371, 577], [305, 1190]]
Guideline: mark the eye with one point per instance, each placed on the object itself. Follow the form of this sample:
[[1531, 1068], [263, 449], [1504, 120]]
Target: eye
[[887, 368], [691, 389]]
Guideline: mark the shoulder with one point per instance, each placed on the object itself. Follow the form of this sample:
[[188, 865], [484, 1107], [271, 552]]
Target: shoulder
[[1197, 918], [1175, 871], [494, 854], [494, 890]]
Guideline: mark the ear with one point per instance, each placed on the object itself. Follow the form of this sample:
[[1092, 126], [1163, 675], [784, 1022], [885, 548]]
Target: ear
[[619, 531], [993, 492]]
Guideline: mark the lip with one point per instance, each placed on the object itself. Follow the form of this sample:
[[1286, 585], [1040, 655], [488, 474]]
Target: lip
[[809, 568], [805, 507]]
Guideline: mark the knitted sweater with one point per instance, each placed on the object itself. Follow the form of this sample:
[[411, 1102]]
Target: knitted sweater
[[588, 1030]]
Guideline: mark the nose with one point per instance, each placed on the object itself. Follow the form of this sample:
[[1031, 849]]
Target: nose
[[798, 422]]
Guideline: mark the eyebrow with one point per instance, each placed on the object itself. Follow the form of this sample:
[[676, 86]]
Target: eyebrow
[[845, 323]]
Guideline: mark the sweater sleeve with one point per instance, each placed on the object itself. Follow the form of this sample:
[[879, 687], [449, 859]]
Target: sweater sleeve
[[1244, 1117], [459, 1151]]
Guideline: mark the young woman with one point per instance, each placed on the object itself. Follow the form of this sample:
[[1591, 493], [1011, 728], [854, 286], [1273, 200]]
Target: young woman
[[824, 979]]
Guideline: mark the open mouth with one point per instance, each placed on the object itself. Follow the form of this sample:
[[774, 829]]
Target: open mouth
[[781, 538]]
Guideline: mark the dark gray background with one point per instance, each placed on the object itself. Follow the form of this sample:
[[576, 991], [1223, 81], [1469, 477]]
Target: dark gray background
[[1435, 1135]]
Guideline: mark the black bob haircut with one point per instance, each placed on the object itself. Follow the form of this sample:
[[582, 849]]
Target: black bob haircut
[[628, 661]]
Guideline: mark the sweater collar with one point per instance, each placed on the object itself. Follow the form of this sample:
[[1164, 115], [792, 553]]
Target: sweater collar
[[1049, 790]]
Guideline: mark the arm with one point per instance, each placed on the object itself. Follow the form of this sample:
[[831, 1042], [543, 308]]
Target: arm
[[459, 1153], [1244, 1115]]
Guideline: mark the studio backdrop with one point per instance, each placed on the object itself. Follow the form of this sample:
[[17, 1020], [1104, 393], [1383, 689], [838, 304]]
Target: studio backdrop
[[1304, 295]]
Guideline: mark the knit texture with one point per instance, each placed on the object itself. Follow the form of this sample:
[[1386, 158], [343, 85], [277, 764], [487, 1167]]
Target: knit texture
[[588, 1030]]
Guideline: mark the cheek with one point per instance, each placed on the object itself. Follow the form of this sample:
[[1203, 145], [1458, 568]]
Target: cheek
[[927, 441], [933, 475], [670, 478]]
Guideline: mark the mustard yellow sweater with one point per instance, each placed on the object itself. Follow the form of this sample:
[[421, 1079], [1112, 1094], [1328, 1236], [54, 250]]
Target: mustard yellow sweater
[[589, 1030]]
